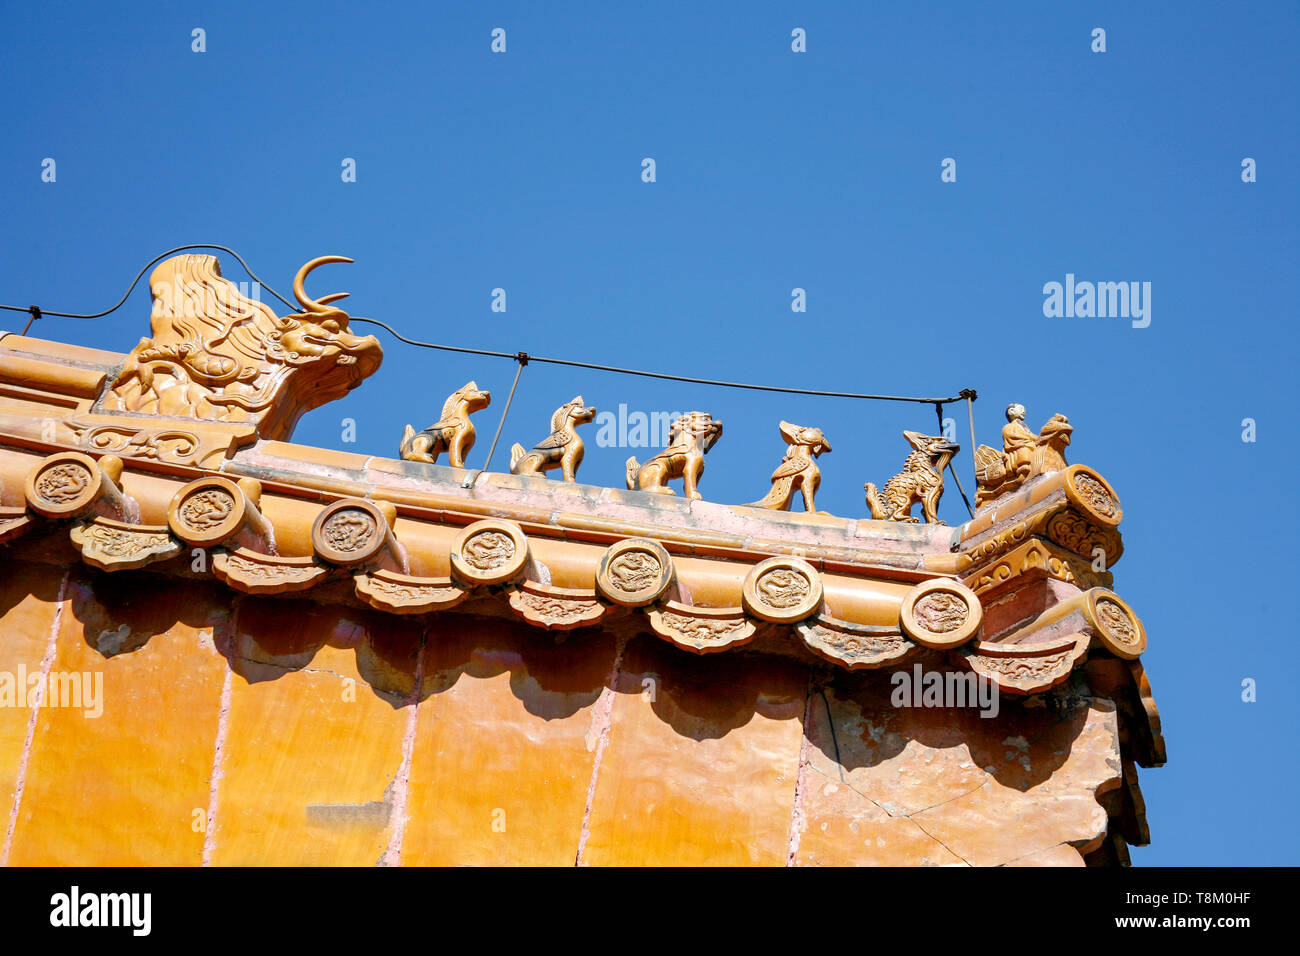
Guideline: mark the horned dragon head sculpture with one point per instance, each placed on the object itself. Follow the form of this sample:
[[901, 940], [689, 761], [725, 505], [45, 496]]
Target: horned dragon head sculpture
[[217, 355]]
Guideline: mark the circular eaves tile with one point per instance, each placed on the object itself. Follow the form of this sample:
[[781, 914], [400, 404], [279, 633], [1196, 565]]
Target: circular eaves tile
[[782, 590], [940, 614], [207, 511], [635, 572], [1120, 630], [63, 485], [489, 552], [350, 531]]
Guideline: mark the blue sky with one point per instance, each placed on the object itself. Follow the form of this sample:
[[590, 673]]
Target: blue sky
[[775, 170]]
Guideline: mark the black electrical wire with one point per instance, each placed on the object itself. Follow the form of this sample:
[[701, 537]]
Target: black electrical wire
[[430, 345], [661, 375], [37, 312], [523, 358], [938, 408]]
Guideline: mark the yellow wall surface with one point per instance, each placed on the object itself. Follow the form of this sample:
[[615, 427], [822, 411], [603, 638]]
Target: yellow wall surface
[[269, 730]]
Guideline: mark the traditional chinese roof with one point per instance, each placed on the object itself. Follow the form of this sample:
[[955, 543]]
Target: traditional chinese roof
[[132, 461]]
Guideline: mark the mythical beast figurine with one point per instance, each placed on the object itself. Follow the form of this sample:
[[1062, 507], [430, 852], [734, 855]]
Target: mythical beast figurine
[[798, 469], [563, 449], [921, 480], [219, 356], [690, 437], [1024, 455], [453, 433]]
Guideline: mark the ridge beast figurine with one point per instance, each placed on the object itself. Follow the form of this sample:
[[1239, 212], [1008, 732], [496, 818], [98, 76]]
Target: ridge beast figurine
[[452, 433], [562, 449], [921, 480], [690, 438], [216, 355], [798, 469], [1024, 455]]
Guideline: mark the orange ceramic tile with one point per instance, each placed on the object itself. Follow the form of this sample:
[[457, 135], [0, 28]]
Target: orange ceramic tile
[[1011, 817], [28, 596], [949, 776], [62, 379], [129, 786], [312, 743], [60, 351], [1060, 855], [701, 761], [312, 455], [504, 751], [841, 827], [906, 759]]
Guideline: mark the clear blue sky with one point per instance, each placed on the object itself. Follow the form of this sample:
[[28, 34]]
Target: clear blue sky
[[775, 170]]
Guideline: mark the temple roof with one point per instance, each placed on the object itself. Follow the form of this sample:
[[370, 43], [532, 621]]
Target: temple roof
[[181, 447]]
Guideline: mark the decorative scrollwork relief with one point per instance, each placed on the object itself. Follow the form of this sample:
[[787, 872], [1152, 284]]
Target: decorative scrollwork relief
[[855, 646], [1026, 668], [117, 546], [257, 573], [557, 609], [407, 594], [701, 629]]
